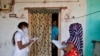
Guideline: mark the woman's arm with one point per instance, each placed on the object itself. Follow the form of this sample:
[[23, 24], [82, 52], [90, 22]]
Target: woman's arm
[[20, 46], [69, 47]]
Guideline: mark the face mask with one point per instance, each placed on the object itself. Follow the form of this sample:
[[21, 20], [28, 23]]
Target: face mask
[[25, 30]]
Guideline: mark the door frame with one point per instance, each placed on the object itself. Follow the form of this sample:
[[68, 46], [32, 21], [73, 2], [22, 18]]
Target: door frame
[[59, 22]]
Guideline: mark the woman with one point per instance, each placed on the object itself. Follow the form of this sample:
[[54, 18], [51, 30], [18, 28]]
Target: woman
[[21, 40], [75, 42]]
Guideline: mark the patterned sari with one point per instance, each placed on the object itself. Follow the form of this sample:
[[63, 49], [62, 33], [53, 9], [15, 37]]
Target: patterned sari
[[76, 38]]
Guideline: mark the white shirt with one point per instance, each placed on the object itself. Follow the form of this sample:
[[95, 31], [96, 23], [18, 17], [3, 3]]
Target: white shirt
[[21, 36]]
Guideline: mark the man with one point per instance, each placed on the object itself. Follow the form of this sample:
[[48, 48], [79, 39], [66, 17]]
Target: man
[[55, 33]]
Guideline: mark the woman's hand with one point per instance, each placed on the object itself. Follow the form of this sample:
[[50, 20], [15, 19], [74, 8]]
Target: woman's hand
[[31, 41], [64, 49], [21, 46], [63, 42], [68, 48]]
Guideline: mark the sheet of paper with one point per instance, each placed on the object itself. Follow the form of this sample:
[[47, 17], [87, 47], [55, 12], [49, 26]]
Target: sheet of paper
[[58, 44], [35, 39]]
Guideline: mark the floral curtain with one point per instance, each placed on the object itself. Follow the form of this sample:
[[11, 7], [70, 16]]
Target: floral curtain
[[41, 28], [40, 23]]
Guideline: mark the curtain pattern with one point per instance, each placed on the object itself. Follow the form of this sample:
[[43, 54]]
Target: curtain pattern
[[40, 26]]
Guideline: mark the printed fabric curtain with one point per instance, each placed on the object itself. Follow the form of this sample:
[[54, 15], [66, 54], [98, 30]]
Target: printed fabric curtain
[[40, 26], [40, 23]]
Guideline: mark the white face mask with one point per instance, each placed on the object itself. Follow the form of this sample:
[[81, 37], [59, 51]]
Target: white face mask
[[25, 30]]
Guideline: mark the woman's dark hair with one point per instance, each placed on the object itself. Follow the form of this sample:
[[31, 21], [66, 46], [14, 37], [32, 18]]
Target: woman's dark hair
[[20, 25], [13, 39]]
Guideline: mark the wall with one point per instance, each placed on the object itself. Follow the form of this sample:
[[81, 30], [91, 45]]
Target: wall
[[42, 0], [93, 25], [8, 25], [7, 28]]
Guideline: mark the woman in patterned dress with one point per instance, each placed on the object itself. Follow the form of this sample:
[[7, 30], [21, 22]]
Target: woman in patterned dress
[[75, 41]]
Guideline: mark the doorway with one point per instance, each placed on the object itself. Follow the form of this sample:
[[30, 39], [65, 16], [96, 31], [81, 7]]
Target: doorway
[[54, 48], [55, 17]]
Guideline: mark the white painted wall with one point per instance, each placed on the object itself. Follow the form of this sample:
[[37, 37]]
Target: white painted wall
[[7, 28], [42, 0], [9, 25]]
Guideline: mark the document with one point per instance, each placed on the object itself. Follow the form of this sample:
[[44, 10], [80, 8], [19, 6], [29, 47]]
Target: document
[[58, 44], [35, 39]]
